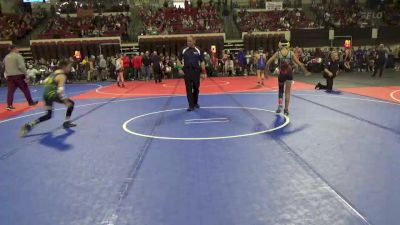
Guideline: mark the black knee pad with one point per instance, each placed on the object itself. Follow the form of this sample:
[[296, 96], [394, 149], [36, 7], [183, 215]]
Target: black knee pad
[[48, 115], [281, 89], [70, 107]]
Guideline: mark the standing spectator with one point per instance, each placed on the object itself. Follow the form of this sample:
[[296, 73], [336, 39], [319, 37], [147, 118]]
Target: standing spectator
[[15, 72], [390, 58], [229, 66], [371, 60], [1, 72], [102, 68], [214, 61], [156, 64], [85, 66], [359, 58], [209, 65], [348, 56], [242, 62], [127, 66], [249, 61], [397, 58], [137, 66], [91, 67], [146, 61], [112, 62], [168, 67], [119, 67], [381, 57], [261, 66]]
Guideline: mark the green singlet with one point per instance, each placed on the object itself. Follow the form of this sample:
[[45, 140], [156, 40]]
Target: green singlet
[[50, 88]]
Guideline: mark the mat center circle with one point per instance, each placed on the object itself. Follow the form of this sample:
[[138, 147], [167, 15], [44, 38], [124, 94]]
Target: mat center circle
[[208, 123]]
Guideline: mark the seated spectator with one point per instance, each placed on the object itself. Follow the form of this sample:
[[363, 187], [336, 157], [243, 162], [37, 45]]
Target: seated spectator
[[15, 27], [272, 20], [99, 6], [97, 26], [169, 20], [32, 73], [349, 15], [392, 16]]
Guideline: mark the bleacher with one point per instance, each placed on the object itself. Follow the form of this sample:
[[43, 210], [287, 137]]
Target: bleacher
[[99, 6], [96, 26], [173, 20], [17, 26], [65, 48], [253, 21], [392, 17]]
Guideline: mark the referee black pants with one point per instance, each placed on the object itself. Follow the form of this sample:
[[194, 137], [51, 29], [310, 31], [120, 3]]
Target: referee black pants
[[157, 74], [192, 82], [329, 83], [380, 67]]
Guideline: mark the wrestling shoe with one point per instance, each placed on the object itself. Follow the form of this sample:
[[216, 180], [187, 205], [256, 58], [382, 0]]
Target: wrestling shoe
[[286, 112], [68, 124], [25, 129], [10, 108], [279, 110]]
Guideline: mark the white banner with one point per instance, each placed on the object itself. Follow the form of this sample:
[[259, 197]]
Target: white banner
[[271, 6], [371, 15]]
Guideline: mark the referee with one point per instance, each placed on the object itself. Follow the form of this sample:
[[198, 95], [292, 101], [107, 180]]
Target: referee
[[191, 65], [380, 60], [15, 73]]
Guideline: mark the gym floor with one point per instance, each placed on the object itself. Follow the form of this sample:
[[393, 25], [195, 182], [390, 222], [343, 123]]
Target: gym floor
[[138, 158]]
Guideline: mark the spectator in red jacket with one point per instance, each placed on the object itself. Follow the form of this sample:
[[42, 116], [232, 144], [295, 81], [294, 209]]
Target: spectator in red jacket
[[137, 66], [127, 66]]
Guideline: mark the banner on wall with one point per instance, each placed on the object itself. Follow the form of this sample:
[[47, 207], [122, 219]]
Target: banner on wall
[[368, 15], [85, 12], [272, 6], [347, 43], [213, 49]]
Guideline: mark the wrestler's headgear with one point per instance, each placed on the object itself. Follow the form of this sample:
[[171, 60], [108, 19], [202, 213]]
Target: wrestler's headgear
[[284, 43]]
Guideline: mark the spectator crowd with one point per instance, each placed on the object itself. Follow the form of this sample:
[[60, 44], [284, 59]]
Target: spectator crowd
[[17, 26], [273, 20], [95, 26], [99, 6], [336, 16], [172, 20]]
